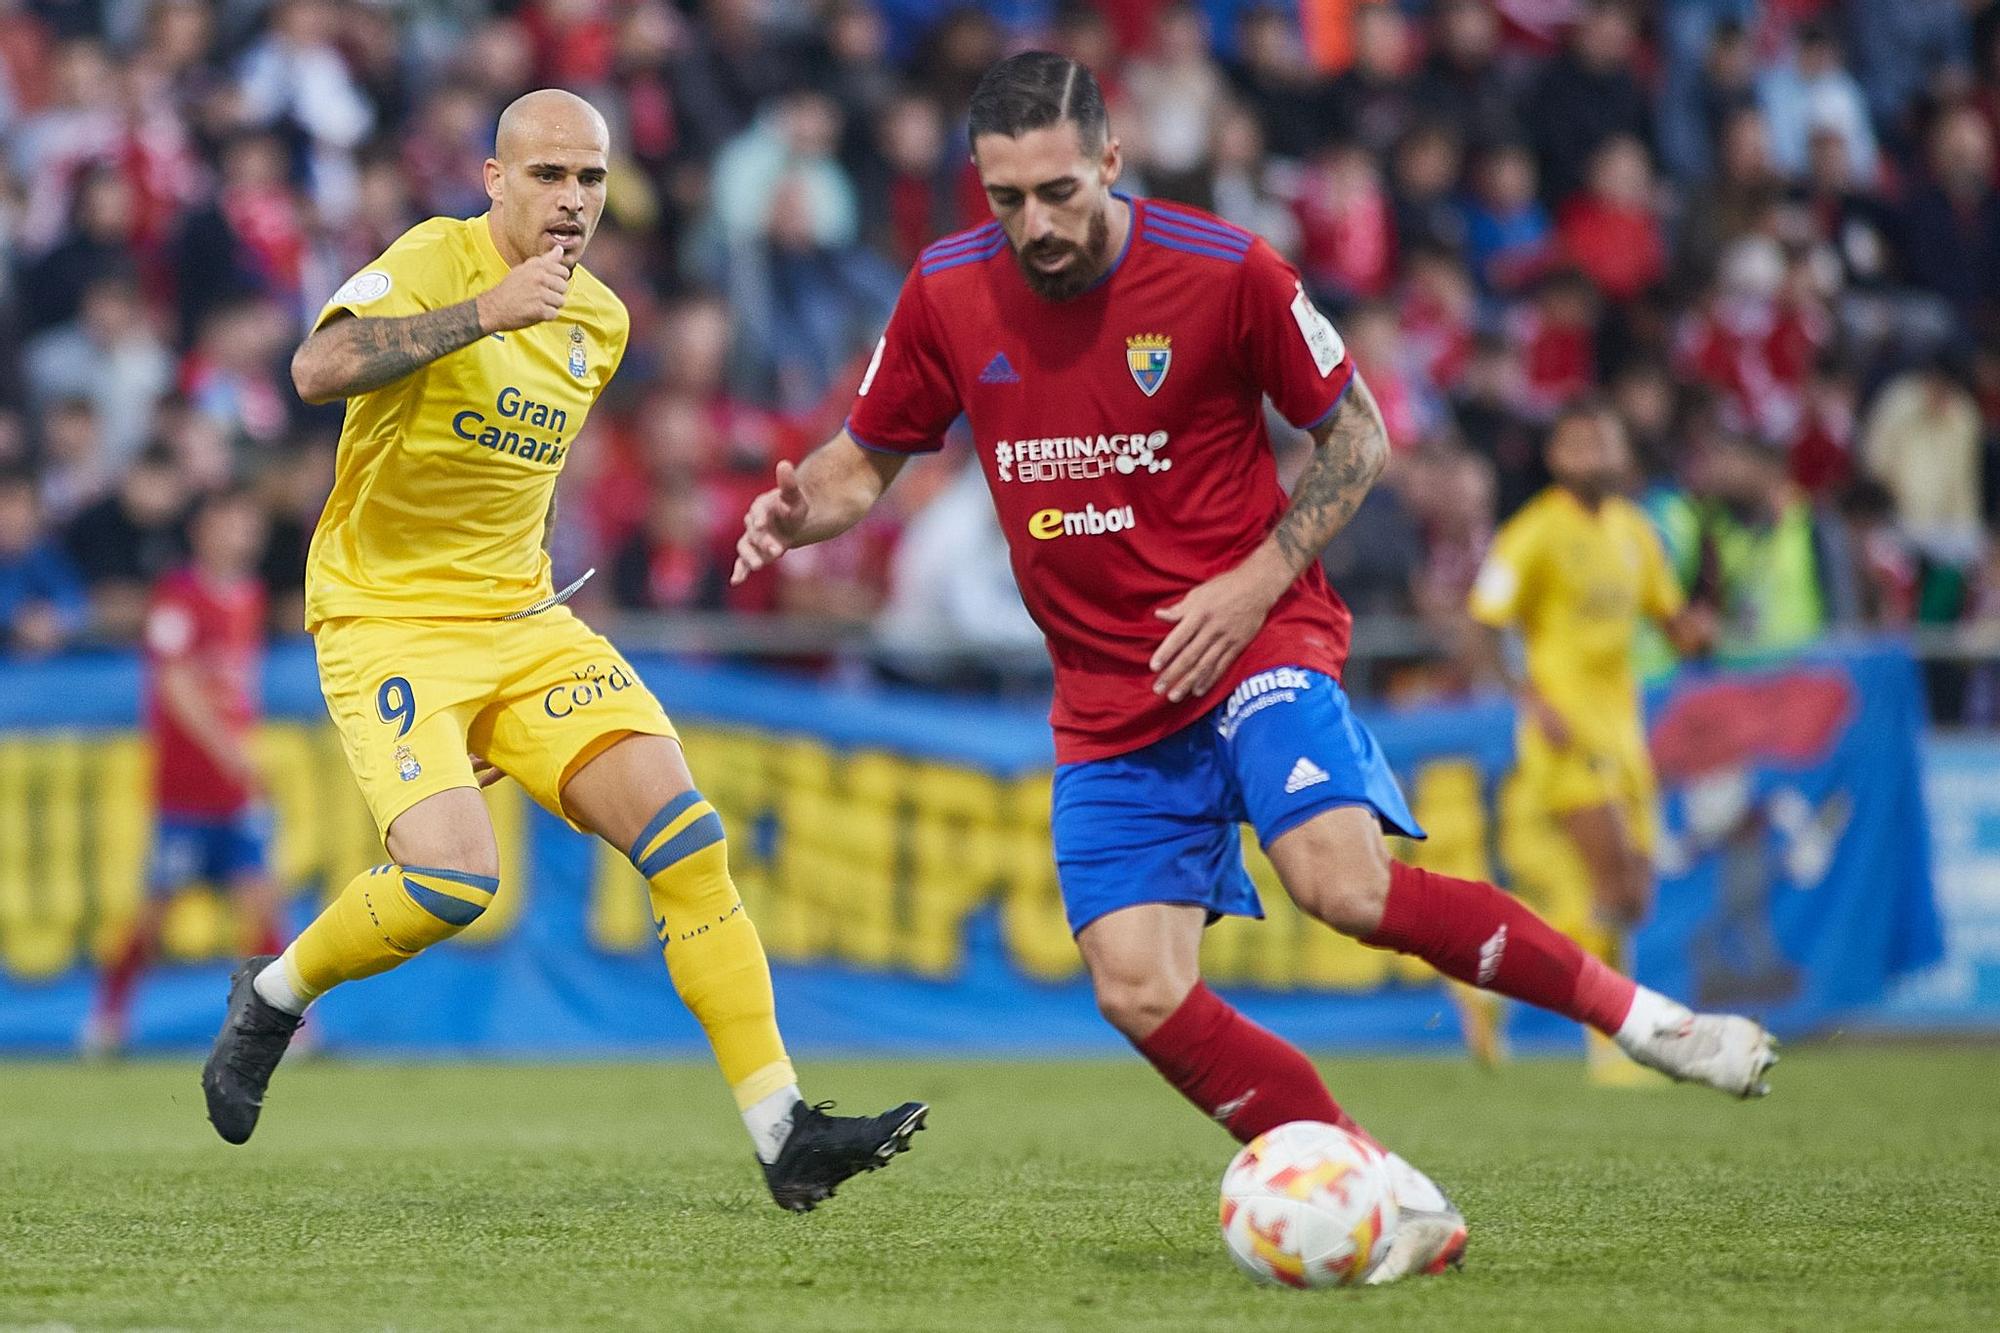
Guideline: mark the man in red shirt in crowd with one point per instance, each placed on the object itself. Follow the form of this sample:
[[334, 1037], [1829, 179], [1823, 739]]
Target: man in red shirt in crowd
[[1113, 355], [204, 646]]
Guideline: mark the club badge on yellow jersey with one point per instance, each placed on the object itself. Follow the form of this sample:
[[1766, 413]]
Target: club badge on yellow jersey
[[577, 365]]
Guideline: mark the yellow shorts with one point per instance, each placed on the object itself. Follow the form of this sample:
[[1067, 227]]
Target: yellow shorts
[[538, 697], [1612, 767]]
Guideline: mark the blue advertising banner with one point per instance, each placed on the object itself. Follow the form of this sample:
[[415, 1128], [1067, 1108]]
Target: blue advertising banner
[[893, 848]]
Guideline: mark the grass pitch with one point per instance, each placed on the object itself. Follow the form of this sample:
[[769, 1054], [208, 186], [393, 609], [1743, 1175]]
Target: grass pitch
[[1864, 1195]]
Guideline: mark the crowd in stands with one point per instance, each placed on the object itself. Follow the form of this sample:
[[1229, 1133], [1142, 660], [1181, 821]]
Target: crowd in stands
[[1767, 230]]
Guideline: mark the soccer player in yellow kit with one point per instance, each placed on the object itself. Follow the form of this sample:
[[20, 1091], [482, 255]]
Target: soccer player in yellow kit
[[1573, 572], [470, 354]]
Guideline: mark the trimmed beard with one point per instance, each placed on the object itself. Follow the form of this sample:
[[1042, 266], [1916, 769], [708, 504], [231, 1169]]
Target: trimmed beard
[[1091, 260]]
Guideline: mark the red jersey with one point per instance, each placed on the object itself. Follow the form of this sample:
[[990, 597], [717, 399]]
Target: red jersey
[[1122, 435], [218, 630]]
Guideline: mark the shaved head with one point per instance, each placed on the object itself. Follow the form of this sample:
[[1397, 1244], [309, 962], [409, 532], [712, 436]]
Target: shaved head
[[546, 177], [548, 115]]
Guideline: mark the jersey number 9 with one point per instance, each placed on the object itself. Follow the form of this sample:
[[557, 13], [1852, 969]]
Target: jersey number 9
[[395, 703]]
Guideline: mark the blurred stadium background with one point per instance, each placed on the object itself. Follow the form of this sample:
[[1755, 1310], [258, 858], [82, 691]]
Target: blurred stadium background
[[1769, 229]]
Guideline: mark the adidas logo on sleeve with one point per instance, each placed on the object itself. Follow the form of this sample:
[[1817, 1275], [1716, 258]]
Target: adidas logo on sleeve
[[999, 371], [1305, 774]]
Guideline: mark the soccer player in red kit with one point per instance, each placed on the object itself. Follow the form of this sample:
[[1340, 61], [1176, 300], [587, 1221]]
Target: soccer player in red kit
[[204, 637], [1113, 355]]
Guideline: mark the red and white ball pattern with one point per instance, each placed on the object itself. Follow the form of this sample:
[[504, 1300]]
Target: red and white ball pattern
[[1308, 1205]]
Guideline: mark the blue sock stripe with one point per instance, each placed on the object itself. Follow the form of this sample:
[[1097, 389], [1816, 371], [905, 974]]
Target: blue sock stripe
[[704, 832], [484, 883], [452, 911], [669, 812]]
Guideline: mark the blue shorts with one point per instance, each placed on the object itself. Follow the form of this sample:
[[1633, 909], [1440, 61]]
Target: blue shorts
[[1159, 825], [188, 850]]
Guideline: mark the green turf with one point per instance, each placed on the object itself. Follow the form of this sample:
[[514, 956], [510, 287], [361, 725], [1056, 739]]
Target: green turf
[[1865, 1195]]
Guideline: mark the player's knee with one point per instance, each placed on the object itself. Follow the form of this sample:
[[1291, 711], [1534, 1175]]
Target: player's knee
[[1348, 888], [1137, 1004]]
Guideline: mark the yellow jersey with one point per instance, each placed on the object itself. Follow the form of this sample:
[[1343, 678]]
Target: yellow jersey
[[1576, 581], [443, 478]]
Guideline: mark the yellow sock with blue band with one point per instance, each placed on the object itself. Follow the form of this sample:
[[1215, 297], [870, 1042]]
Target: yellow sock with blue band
[[712, 950], [385, 916]]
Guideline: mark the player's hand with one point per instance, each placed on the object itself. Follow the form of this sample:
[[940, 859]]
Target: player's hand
[[1547, 718], [772, 524], [1693, 631], [533, 291], [1211, 626], [484, 772]]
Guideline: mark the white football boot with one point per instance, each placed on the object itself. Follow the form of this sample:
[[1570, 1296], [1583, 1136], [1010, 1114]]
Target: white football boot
[[1430, 1231], [1729, 1053]]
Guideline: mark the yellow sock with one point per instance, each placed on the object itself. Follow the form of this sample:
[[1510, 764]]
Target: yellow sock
[[385, 916], [713, 953]]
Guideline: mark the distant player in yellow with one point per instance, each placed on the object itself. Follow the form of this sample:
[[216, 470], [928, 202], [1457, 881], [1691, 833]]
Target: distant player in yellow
[[1574, 572], [470, 354]]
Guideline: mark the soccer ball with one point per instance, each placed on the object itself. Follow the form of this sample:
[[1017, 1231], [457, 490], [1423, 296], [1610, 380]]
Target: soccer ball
[[1308, 1205]]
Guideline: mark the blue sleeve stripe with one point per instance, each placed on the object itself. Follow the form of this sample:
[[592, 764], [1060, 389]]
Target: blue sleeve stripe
[[484, 883], [1172, 243], [1327, 415], [964, 257], [668, 813], [1188, 231], [875, 448], [452, 911], [967, 240], [704, 832]]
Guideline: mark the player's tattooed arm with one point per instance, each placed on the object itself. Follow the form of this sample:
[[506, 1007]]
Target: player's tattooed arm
[[1217, 619], [353, 356], [1349, 452]]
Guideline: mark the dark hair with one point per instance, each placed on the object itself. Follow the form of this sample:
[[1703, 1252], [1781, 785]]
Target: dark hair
[[1037, 89], [1588, 405]]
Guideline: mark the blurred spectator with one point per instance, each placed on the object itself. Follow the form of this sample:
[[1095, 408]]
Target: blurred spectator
[[728, 68], [1245, 186], [232, 378], [1922, 440], [1486, 405], [806, 305], [1462, 84], [1709, 67], [1347, 239], [294, 80], [906, 204], [445, 150], [1370, 102], [129, 538], [293, 489], [1907, 50], [1813, 91], [42, 605], [74, 470], [1424, 176], [1374, 559], [1737, 198], [1951, 225], [1887, 570], [1777, 572], [99, 238], [670, 562], [80, 125], [1855, 226], [1609, 230], [1509, 235], [1179, 91], [1438, 315], [953, 616], [1822, 449], [794, 140], [1642, 393], [110, 356], [1756, 336], [1455, 507], [1585, 96], [1557, 334], [250, 241], [1273, 79]]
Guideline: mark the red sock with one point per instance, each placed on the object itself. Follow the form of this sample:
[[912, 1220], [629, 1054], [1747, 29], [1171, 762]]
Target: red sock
[[115, 999], [1239, 1074], [1478, 934]]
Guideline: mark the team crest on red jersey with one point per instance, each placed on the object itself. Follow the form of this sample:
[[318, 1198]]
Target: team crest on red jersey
[[1147, 356]]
